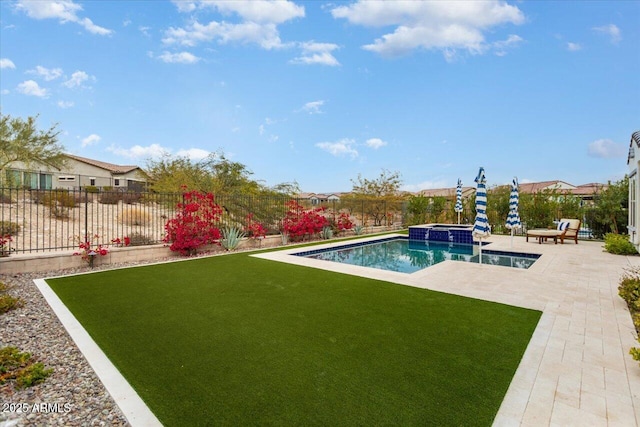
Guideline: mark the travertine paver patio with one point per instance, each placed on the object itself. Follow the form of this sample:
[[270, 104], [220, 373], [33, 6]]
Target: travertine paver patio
[[577, 369]]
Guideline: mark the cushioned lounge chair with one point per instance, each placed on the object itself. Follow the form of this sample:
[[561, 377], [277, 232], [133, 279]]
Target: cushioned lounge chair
[[570, 228]]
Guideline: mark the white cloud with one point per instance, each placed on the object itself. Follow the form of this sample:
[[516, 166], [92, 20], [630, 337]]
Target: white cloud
[[502, 46], [31, 88], [611, 30], [439, 25], [573, 47], [46, 73], [144, 30], [194, 153], [339, 148], [275, 11], [375, 143], [6, 63], [62, 10], [179, 58], [90, 140], [606, 149], [258, 21], [77, 79], [4, 92], [138, 151], [313, 107], [65, 104], [317, 53]]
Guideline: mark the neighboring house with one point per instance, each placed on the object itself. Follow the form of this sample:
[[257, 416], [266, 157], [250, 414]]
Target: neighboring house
[[633, 162], [78, 172], [317, 199]]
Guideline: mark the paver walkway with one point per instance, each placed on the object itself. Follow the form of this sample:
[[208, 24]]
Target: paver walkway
[[577, 369]]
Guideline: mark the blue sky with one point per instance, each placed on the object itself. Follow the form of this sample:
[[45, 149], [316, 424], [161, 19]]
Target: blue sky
[[320, 92]]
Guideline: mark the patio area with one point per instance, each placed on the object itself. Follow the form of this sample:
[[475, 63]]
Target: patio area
[[577, 369]]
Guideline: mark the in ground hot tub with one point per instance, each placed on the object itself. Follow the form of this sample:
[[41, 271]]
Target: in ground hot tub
[[453, 233]]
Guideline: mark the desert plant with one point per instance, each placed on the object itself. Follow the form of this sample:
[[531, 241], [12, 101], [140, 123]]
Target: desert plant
[[110, 197], [134, 216], [139, 239], [8, 303], [20, 367], [284, 237], [358, 230], [619, 244], [91, 189], [326, 233], [231, 238], [8, 227]]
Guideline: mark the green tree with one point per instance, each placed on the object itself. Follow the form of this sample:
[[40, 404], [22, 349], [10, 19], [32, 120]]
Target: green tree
[[610, 211], [417, 210], [379, 196], [498, 207], [22, 142]]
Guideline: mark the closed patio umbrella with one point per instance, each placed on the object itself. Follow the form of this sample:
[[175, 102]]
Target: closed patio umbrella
[[481, 224], [458, 206], [513, 219]]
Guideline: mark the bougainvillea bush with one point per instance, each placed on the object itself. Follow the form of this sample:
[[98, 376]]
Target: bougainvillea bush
[[299, 222], [254, 229], [194, 224], [343, 222]]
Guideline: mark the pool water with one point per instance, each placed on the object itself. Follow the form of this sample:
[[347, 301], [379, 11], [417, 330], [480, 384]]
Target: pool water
[[408, 256]]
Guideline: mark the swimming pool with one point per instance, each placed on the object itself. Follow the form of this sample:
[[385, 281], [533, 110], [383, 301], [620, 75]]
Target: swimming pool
[[408, 256]]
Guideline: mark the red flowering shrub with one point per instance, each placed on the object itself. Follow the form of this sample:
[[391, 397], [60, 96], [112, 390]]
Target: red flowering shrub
[[195, 223], [254, 229], [299, 222], [125, 241], [88, 251], [344, 222]]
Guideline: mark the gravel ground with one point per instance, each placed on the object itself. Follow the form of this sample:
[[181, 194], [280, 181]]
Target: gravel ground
[[73, 394]]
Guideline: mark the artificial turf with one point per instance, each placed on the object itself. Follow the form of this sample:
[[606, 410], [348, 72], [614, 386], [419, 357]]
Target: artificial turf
[[236, 340]]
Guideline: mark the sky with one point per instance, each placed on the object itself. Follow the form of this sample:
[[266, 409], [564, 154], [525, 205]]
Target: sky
[[322, 93]]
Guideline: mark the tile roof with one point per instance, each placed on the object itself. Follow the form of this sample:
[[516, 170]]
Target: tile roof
[[117, 169]]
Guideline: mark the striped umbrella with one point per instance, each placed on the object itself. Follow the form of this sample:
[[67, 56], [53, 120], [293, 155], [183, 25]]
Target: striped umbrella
[[458, 207], [513, 220], [481, 224]]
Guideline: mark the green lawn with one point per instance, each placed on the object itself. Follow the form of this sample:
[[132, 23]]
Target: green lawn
[[236, 340]]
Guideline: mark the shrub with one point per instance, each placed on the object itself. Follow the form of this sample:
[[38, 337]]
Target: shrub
[[195, 223], [110, 197], [299, 222], [134, 216], [139, 239], [19, 367], [619, 244], [629, 287], [8, 303], [91, 189], [358, 230], [130, 197]]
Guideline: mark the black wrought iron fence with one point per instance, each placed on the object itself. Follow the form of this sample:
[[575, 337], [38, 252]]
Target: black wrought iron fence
[[52, 220]]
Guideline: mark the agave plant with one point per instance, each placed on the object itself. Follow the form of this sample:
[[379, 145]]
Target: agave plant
[[358, 230], [327, 233], [231, 238], [285, 238]]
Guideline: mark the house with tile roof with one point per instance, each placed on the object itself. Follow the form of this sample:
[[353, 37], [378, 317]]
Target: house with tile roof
[[78, 172]]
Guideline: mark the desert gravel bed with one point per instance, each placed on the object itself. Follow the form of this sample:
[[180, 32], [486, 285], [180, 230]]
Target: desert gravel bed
[[81, 398]]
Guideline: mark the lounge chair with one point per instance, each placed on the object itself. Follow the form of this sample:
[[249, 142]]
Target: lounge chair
[[570, 228]]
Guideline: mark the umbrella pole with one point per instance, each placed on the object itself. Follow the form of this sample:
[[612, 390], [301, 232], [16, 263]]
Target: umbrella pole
[[512, 237], [458, 218], [480, 244]]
